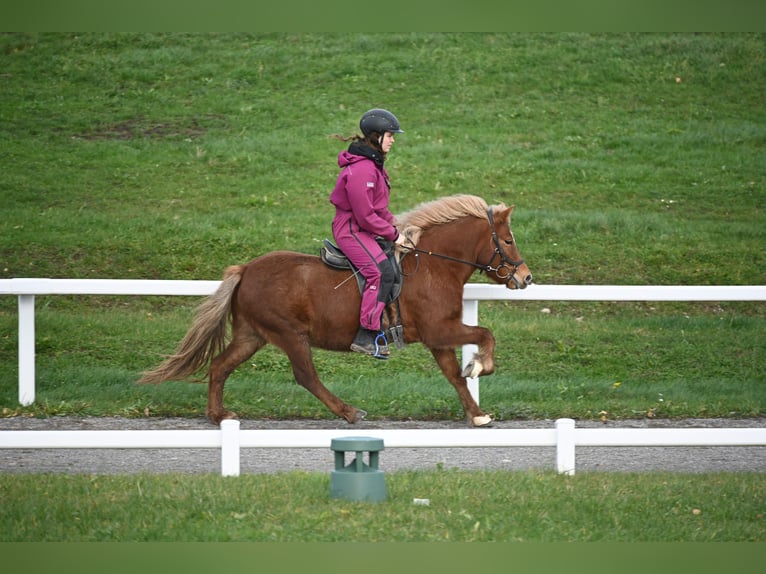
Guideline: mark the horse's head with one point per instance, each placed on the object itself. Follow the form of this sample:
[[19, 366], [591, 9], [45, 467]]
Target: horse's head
[[506, 266], [499, 259]]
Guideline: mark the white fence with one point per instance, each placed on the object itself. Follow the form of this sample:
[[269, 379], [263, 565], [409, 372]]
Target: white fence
[[27, 289], [230, 439]]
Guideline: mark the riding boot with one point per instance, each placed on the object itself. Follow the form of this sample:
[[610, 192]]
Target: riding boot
[[371, 343]]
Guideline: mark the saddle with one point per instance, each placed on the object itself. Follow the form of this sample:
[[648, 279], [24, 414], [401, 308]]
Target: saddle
[[332, 256]]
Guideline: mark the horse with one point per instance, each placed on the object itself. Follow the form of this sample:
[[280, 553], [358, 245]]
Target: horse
[[296, 302]]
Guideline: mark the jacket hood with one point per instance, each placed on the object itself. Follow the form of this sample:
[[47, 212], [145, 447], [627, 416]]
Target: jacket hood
[[347, 158], [358, 151]]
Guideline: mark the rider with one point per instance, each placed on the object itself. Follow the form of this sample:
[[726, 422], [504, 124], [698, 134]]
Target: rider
[[361, 197]]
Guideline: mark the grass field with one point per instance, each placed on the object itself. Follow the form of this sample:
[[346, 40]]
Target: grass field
[[492, 506], [631, 159]]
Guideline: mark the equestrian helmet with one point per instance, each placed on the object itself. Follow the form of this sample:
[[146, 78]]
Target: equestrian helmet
[[380, 121]]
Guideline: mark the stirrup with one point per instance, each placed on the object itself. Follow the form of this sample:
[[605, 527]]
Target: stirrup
[[381, 351], [372, 346]]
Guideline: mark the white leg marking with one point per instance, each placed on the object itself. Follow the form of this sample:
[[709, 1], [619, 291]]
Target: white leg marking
[[481, 421]]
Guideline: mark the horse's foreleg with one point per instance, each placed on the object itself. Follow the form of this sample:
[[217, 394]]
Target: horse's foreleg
[[238, 351], [483, 362], [452, 335], [448, 363]]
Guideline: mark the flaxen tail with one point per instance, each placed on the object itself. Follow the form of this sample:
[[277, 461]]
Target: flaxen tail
[[206, 337]]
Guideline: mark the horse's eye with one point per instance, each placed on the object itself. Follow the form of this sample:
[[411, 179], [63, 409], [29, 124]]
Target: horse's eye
[[508, 241]]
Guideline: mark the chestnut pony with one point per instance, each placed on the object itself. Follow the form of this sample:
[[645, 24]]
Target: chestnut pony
[[296, 302]]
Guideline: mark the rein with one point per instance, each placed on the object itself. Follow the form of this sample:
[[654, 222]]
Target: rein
[[508, 266]]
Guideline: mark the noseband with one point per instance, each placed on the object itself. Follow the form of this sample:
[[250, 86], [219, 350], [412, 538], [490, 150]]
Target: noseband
[[505, 271]]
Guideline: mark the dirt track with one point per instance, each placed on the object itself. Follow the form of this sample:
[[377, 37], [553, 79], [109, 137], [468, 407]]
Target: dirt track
[[126, 461]]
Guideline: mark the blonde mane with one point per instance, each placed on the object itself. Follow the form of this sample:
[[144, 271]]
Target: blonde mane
[[412, 223]]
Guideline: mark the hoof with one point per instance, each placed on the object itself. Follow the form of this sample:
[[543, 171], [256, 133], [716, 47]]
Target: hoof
[[358, 416], [472, 369], [481, 421], [216, 419]]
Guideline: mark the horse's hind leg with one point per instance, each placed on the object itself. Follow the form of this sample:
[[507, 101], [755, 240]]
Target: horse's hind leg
[[298, 351], [241, 348]]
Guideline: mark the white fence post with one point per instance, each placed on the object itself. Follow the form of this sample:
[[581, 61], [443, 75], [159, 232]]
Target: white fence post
[[471, 317], [565, 446], [230, 447], [26, 349]]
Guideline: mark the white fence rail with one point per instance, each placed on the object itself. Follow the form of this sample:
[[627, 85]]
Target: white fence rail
[[230, 439], [26, 289]]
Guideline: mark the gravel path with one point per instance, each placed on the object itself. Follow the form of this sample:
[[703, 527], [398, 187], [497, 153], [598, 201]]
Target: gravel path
[[126, 461]]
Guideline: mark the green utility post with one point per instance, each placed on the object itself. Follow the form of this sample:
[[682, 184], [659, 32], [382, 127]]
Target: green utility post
[[357, 480]]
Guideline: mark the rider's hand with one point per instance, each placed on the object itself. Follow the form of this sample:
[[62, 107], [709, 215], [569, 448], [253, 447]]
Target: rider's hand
[[402, 243]]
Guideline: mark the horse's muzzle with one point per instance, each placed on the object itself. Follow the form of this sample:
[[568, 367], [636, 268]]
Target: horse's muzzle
[[521, 283]]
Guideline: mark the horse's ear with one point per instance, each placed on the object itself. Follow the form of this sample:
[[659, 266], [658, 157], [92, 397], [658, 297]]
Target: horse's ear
[[506, 213]]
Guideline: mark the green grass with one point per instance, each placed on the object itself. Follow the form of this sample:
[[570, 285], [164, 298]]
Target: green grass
[[631, 159], [661, 365], [491, 506]]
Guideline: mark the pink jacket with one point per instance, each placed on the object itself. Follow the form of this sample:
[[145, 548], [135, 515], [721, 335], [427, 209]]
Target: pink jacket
[[361, 196]]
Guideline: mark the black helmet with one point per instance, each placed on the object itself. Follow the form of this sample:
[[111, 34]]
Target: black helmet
[[380, 121]]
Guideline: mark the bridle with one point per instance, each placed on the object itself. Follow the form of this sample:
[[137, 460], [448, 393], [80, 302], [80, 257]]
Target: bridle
[[504, 271]]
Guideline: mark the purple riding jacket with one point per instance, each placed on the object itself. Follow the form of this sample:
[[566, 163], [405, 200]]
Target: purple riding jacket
[[361, 198]]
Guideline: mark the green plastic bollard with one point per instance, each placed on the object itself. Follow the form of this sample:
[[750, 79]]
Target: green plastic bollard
[[358, 480]]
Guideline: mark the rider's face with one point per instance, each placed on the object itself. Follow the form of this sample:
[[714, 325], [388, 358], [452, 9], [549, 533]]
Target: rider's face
[[387, 141]]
